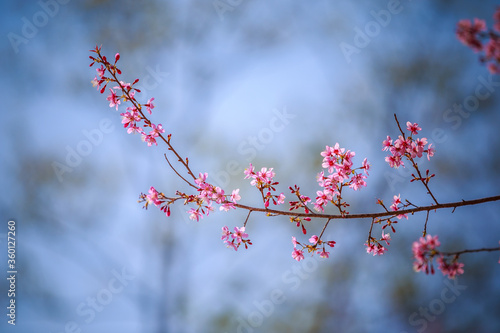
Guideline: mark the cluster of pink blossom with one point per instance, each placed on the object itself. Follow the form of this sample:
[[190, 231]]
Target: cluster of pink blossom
[[373, 245], [207, 194], [425, 249], [263, 180], [126, 92], [451, 269], [298, 254], [236, 238], [339, 165], [406, 147], [204, 199], [156, 198], [472, 34]]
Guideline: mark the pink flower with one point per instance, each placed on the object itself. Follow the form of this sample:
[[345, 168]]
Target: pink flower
[[387, 143], [235, 195], [380, 250], [348, 158], [419, 146], [134, 129], [413, 128], [357, 182], [394, 161], [423, 251], [239, 233], [313, 240], [201, 179], [467, 33], [101, 71], [152, 197], [375, 248], [130, 118], [157, 130], [263, 177], [194, 214], [431, 242], [395, 202], [231, 244], [225, 233], [323, 198], [451, 269], [400, 145], [386, 237], [370, 248], [294, 241], [249, 172], [113, 99], [123, 86], [337, 151], [366, 166], [328, 152], [298, 255], [324, 254], [149, 105], [150, 140], [227, 206], [281, 199], [430, 152], [218, 196], [96, 82]]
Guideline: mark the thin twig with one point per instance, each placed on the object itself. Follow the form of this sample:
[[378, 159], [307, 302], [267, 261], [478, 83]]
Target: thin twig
[[171, 166], [425, 225], [415, 166], [246, 220], [324, 228]]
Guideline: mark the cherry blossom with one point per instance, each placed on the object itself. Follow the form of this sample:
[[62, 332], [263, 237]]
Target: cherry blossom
[[313, 240], [113, 99], [152, 197], [235, 195], [375, 248], [298, 254], [386, 237], [238, 237], [194, 214], [149, 105], [225, 233], [467, 33], [413, 128], [324, 254], [452, 269]]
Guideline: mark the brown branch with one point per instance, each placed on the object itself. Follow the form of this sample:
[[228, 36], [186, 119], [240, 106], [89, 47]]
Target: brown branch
[[373, 215], [324, 228], [426, 220], [172, 167], [139, 108], [492, 249]]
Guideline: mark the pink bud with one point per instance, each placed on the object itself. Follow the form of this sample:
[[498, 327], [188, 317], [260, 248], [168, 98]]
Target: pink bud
[[117, 57]]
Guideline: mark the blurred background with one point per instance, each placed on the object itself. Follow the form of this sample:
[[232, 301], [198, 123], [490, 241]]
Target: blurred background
[[235, 82]]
